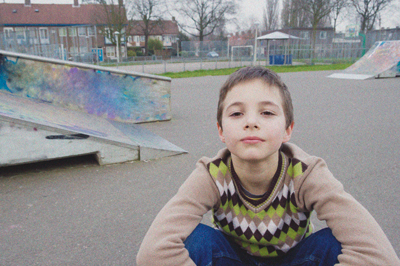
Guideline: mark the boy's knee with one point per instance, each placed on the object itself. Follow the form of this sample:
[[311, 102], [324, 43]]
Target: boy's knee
[[326, 238], [201, 236]]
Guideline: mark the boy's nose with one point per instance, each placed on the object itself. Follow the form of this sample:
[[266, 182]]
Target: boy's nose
[[252, 122]]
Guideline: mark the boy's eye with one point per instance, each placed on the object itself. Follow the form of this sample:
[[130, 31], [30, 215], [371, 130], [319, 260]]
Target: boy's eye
[[236, 114], [267, 113]]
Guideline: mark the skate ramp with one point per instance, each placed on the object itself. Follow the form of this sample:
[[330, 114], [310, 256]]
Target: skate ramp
[[105, 92], [32, 131], [382, 60], [53, 109]]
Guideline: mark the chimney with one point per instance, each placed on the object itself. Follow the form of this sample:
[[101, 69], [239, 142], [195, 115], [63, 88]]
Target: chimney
[[76, 3], [27, 2], [121, 2]]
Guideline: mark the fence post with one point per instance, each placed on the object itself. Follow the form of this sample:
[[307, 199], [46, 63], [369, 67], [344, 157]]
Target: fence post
[[165, 66], [143, 66]]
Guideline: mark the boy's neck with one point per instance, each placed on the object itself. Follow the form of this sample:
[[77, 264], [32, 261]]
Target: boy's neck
[[256, 176]]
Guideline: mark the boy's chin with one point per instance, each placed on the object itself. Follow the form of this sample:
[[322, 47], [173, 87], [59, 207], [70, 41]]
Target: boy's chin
[[255, 157]]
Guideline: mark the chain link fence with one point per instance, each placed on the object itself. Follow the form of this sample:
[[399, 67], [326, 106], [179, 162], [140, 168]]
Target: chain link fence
[[194, 55], [48, 43]]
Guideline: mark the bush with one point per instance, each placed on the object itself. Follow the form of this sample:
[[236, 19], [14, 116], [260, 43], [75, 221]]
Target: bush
[[154, 44], [131, 53]]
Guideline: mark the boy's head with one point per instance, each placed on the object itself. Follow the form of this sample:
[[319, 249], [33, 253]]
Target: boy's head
[[269, 77]]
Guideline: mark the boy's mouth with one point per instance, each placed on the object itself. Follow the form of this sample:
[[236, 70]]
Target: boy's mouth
[[251, 140]]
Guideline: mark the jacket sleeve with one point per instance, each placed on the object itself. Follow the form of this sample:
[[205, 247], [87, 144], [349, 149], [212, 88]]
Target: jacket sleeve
[[163, 243], [363, 241]]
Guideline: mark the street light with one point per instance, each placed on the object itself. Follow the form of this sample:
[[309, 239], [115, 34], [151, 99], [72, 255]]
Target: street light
[[116, 37], [255, 44], [177, 47]]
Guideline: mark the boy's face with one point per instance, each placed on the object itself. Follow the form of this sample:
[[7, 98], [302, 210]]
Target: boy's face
[[253, 121]]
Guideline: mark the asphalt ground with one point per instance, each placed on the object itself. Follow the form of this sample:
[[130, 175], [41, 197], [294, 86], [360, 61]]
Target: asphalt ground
[[75, 212], [187, 65]]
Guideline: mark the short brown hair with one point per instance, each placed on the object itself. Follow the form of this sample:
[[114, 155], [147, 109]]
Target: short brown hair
[[264, 74]]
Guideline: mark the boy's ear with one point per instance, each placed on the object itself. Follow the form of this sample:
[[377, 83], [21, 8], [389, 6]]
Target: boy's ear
[[220, 133], [288, 133]]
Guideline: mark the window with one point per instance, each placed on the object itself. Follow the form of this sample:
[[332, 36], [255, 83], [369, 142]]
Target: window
[[32, 34], [83, 49], [129, 38], [62, 32], [20, 33], [74, 50], [82, 31], [90, 31], [136, 38], [72, 31], [167, 39], [44, 33], [322, 34], [8, 33], [142, 39], [305, 35], [110, 51]]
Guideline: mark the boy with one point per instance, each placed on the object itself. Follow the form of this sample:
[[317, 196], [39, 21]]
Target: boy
[[262, 191]]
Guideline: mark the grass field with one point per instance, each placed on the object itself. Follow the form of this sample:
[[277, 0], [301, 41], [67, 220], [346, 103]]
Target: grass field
[[278, 69]]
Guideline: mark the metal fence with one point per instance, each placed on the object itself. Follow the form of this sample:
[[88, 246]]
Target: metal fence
[[49, 44], [192, 55]]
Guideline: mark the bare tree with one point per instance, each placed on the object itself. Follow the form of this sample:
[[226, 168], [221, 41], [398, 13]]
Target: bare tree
[[149, 14], [112, 19], [271, 15], [318, 10], [202, 17], [338, 6], [368, 11], [293, 15]]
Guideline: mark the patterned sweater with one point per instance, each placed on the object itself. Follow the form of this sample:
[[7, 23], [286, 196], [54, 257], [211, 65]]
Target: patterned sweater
[[269, 226]]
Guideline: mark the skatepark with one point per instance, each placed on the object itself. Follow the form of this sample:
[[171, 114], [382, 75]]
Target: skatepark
[[75, 211]]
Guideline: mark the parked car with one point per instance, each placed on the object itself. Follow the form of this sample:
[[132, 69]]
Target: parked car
[[213, 54]]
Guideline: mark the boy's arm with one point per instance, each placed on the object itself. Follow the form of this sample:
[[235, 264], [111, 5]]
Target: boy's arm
[[163, 243], [363, 241]]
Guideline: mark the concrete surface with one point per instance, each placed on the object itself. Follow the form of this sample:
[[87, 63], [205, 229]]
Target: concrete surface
[[74, 212]]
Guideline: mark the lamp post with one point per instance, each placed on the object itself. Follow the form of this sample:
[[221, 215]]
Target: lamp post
[[255, 44], [177, 47], [117, 39], [227, 53]]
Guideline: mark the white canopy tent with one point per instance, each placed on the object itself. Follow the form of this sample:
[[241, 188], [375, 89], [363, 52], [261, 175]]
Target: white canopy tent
[[277, 35]]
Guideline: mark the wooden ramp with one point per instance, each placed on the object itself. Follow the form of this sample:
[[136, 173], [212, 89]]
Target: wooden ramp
[[32, 131]]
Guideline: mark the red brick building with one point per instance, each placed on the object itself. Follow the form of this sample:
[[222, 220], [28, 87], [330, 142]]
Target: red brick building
[[73, 30]]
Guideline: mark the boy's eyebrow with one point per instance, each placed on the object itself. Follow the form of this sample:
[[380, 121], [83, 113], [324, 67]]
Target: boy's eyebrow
[[260, 103], [268, 103]]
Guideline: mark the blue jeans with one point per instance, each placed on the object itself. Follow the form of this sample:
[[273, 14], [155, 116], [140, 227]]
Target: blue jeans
[[208, 246]]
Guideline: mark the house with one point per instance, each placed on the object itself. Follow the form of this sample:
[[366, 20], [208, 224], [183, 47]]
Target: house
[[166, 31], [64, 29], [68, 31], [382, 34]]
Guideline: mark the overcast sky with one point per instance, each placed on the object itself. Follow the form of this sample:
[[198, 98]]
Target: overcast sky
[[252, 10]]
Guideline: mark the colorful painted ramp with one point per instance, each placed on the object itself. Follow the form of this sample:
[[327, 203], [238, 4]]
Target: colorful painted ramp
[[106, 92], [53, 109], [382, 60], [33, 130]]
